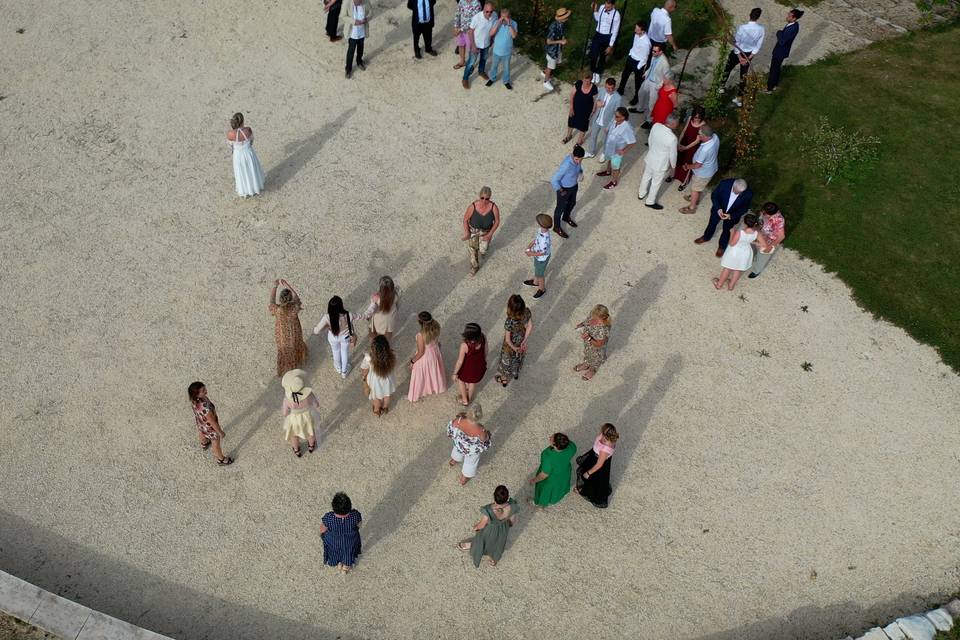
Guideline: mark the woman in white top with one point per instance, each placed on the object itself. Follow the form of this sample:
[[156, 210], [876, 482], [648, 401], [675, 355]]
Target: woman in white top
[[247, 171], [384, 305], [378, 367], [739, 254], [340, 333]]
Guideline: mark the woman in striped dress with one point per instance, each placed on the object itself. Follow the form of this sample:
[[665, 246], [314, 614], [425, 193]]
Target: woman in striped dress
[[340, 532]]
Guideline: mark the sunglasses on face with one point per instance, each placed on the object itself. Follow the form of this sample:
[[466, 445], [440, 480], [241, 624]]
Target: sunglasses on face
[[484, 198]]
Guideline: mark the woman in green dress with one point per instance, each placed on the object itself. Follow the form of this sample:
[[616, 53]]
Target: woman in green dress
[[552, 481], [492, 529]]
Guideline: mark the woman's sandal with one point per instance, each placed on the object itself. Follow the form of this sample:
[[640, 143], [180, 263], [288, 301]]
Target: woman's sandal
[[377, 412], [716, 284], [580, 367], [205, 445], [492, 562], [566, 139], [502, 382], [588, 375], [463, 546], [224, 461], [297, 452], [312, 448]]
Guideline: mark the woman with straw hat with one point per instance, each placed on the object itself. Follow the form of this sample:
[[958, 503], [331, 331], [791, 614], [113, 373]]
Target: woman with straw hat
[[298, 401]]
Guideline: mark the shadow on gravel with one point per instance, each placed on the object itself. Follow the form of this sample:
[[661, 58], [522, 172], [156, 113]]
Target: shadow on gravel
[[73, 571]]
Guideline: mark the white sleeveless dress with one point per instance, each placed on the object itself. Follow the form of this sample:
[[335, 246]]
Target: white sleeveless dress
[[739, 257], [246, 166]]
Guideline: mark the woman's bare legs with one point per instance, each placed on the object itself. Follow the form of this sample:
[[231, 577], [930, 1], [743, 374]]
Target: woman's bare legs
[[462, 387], [734, 279], [471, 387], [385, 407]]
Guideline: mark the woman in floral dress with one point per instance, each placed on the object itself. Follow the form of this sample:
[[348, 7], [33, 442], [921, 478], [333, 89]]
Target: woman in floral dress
[[594, 331], [291, 349], [208, 424], [516, 332]]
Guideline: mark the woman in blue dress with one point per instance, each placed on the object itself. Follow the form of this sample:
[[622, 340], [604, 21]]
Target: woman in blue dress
[[340, 532]]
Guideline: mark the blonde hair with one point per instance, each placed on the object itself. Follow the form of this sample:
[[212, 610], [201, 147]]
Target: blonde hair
[[473, 413], [600, 311], [609, 433], [430, 331]]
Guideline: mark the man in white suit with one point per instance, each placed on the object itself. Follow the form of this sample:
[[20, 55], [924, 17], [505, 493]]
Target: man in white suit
[[660, 161], [652, 81], [608, 100]]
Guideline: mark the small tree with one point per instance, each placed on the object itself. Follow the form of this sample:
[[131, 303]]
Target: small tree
[[745, 136], [834, 151], [712, 101]]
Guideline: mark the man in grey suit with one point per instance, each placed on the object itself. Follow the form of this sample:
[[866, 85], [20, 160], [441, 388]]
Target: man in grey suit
[[656, 69], [607, 102]]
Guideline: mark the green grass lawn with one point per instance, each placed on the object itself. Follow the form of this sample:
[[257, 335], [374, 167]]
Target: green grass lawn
[[893, 234], [692, 20]]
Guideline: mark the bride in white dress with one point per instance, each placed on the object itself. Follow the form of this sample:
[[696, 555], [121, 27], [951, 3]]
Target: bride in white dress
[[739, 254], [246, 166]]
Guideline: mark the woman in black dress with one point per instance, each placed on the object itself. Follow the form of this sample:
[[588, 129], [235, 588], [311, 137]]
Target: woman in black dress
[[593, 467], [583, 102]]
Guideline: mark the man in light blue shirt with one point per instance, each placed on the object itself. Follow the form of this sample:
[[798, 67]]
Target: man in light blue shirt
[[503, 34], [703, 166], [565, 182]]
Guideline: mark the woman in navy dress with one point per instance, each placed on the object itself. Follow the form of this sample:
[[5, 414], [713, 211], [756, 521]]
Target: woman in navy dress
[[340, 532]]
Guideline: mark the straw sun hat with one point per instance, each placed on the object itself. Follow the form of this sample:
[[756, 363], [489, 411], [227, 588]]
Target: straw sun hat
[[562, 14], [293, 382]]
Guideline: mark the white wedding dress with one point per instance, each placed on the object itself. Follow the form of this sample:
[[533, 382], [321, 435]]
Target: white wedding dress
[[246, 166]]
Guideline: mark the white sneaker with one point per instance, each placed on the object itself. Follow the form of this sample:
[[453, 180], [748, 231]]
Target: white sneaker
[[542, 75], [601, 158], [587, 154], [343, 374], [737, 102], [547, 86], [722, 90], [596, 78]]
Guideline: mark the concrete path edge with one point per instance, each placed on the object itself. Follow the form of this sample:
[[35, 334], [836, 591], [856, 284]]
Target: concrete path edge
[[62, 617]]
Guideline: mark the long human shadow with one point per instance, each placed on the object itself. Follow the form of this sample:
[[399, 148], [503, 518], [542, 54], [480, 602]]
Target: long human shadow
[[77, 572], [416, 476], [627, 312], [301, 152]]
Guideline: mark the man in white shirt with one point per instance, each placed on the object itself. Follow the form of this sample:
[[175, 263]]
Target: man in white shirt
[[479, 37], [635, 63], [620, 138], [652, 81], [661, 24], [746, 45], [660, 161], [608, 101], [358, 31], [601, 45], [704, 166]]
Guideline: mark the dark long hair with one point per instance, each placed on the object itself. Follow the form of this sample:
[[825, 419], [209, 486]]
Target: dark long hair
[[334, 311], [387, 292], [194, 389]]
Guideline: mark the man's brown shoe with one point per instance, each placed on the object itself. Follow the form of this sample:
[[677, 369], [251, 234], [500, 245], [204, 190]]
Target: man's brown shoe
[[336, 38], [700, 240], [466, 84], [719, 253]]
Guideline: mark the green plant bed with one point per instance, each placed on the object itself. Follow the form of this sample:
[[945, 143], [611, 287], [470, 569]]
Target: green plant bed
[[889, 228], [693, 20]]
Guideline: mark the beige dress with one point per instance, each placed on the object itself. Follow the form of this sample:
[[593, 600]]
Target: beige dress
[[382, 322]]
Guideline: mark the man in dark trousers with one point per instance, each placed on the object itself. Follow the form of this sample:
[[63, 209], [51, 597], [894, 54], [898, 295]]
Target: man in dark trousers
[[332, 9], [729, 201], [607, 20], [781, 50], [566, 182], [422, 21]]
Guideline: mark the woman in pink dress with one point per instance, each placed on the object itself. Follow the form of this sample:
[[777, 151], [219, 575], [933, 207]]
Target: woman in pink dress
[[427, 375]]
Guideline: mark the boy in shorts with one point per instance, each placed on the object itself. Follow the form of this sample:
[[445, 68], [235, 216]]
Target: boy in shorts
[[539, 250], [556, 39]]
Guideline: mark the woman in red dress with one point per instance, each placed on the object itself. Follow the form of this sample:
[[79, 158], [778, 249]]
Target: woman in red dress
[[689, 141], [667, 99], [471, 362]]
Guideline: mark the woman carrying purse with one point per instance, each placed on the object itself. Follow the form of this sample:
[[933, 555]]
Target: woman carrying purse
[[340, 334]]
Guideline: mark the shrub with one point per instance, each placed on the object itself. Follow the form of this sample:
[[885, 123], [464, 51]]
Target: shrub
[[836, 152], [745, 145]]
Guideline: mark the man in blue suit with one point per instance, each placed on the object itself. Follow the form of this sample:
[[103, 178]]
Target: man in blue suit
[[781, 50], [728, 202], [422, 21]]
